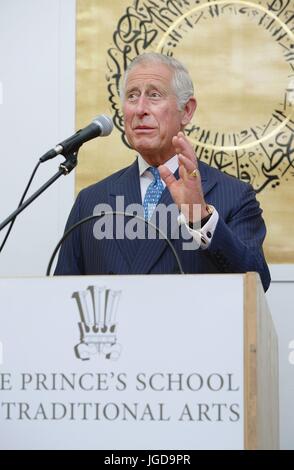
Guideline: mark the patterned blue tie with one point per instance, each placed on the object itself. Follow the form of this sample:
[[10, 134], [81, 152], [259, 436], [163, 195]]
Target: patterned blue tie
[[153, 193]]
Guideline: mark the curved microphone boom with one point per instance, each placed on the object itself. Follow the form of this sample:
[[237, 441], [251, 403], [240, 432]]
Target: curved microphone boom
[[100, 126], [97, 216]]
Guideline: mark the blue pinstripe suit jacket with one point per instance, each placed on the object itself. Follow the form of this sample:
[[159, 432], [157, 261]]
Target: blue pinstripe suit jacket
[[236, 246]]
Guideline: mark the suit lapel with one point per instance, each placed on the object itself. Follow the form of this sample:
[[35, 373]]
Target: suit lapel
[[128, 186]]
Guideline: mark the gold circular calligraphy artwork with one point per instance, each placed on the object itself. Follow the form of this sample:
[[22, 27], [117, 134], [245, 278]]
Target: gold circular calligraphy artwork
[[165, 45], [241, 58]]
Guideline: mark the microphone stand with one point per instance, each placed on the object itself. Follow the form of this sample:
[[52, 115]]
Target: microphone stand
[[102, 214], [64, 169]]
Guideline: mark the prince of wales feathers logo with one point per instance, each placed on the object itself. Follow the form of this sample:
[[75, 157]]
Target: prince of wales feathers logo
[[98, 326]]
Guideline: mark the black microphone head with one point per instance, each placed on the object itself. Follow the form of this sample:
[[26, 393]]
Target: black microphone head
[[105, 123]]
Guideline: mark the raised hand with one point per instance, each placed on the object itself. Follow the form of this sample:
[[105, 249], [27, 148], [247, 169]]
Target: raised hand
[[187, 191]]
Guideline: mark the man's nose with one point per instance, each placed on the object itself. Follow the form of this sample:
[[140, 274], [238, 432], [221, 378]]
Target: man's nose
[[142, 106]]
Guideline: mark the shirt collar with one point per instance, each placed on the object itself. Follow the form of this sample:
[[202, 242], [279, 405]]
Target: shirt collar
[[172, 164]]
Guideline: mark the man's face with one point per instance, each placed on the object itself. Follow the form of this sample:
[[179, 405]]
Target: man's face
[[151, 115]]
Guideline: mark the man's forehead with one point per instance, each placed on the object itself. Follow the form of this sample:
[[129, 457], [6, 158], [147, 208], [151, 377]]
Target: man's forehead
[[149, 74]]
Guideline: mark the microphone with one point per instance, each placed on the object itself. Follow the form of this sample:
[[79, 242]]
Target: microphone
[[100, 126]]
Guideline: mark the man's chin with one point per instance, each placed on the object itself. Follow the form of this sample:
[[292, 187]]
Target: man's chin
[[144, 147]]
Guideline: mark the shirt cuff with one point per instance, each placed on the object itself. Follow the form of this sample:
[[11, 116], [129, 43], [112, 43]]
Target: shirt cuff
[[203, 235]]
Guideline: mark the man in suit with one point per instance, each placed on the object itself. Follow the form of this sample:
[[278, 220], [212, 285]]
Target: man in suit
[[218, 212]]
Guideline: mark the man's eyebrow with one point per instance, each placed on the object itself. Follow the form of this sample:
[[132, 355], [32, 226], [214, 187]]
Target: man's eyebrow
[[149, 86], [131, 89]]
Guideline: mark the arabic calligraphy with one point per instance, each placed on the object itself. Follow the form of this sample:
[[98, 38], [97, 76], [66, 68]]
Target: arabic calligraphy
[[261, 154]]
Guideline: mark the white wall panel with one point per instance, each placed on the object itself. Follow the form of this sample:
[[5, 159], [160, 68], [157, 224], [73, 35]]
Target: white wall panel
[[280, 298], [37, 109]]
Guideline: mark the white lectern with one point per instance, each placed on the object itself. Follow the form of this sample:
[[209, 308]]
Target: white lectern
[[137, 362]]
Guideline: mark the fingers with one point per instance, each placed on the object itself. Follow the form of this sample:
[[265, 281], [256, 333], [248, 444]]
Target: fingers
[[183, 146], [186, 167], [187, 164], [166, 175], [182, 171]]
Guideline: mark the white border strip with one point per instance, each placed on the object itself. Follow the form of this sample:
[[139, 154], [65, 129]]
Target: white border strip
[[282, 272], [1, 93]]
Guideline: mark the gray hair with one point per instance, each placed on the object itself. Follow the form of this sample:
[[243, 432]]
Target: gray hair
[[181, 81]]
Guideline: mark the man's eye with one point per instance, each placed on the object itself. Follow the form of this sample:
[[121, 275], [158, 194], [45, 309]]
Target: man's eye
[[132, 96], [155, 94]]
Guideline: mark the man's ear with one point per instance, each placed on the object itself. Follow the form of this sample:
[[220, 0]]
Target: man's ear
[[188, 111]]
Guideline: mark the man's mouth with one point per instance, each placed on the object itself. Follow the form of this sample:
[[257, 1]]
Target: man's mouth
[[144, 128]]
